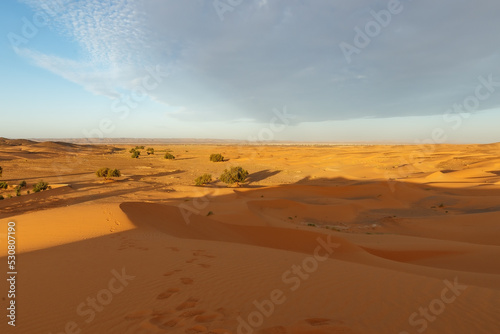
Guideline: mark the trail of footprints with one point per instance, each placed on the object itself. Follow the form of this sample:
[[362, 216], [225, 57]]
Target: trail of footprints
[[187, 317], [186, 313]]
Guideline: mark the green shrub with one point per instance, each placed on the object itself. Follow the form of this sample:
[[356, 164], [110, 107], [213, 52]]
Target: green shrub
[[150, 150], [107, 173], [234, 175], [216, 157], [202, 180], [136, 154], [22, 184], [102, 172], [132, 150], [1, 197], [40, 186], [169, 156], [139, 147], [18, 190], [3, 185]]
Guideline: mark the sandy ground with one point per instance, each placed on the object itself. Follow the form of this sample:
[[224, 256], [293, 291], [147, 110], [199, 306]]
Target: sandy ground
[[321, 239]]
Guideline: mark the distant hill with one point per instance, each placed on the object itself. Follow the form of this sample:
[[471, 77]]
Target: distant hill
[[16, 142]]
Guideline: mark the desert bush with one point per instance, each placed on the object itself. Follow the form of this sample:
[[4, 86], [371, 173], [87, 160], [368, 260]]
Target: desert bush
[[234, 175], [139, 147], [132, 150], [150, 150], [1, 197], [40, 186], [3, 185], [216, 157], [203, 179], [169, 156], [102, 172], [22, 184], [18, 190], [107, 173], [135, 154]]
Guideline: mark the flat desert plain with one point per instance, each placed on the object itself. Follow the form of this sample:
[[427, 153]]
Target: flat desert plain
[[320, 239]]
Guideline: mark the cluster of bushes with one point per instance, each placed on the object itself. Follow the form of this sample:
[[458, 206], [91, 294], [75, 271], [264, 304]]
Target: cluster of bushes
[[216, 157], [233, 175], [169, 156], [107, 173], [135, 153], [40, 186], [150, 150], [3, 185]]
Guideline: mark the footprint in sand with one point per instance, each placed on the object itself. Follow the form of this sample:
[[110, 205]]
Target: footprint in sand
[[187, 280], [170, 273], [191, 313], [168, 293], [190, 303], [176, 322]]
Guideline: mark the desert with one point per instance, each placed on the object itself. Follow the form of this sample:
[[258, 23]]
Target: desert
[[318, 239]]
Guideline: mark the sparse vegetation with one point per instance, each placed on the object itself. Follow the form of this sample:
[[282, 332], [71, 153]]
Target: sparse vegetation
[[169, 156], [203, 179], [18, 190], [3, 185], [40, 186], [216, 157], [108, 173], [234, 175], [139, 147], [135, 154], [209, 213], [22, 184], [1, 197], [150, 150]]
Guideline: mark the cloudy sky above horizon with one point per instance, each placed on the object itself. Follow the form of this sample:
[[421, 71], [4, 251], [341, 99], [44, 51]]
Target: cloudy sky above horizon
[[382, 71]]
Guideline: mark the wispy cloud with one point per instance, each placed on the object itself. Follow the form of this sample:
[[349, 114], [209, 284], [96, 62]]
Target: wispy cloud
[[280, 52]]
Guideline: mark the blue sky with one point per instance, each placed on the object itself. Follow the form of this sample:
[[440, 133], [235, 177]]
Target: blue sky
[[342, 71]]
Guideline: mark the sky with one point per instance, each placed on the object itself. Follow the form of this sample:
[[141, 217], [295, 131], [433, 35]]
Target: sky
[[406, 71]]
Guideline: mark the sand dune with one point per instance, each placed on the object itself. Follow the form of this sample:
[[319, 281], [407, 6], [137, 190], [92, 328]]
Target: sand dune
[[347, 239]]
